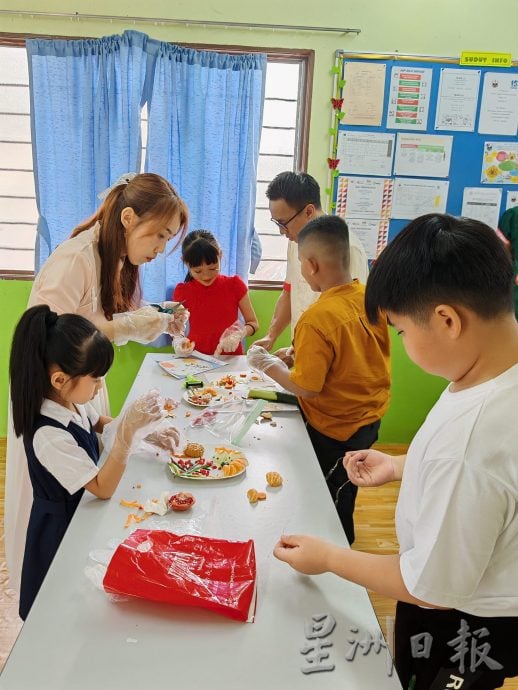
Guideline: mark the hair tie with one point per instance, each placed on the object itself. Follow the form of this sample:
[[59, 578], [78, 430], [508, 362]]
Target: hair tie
[[122, 180], [50, 319]]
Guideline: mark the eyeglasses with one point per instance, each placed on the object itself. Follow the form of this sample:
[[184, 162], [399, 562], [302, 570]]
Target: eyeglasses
[[285, 224]]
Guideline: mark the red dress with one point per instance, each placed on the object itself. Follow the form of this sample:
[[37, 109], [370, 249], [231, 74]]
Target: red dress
[[212, 309]]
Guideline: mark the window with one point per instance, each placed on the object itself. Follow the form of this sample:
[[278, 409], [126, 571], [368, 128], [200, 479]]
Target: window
[[280, 150], [18, 213], [284, 141]]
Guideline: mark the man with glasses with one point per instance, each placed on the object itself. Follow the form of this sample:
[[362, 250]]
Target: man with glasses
[[294, 200]]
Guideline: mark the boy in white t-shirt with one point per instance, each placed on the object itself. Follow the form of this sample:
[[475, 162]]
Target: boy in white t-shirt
[[445, 284]]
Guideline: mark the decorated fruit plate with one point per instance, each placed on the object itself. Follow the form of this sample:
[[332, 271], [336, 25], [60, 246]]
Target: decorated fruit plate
[[203, 397], [216, 462]]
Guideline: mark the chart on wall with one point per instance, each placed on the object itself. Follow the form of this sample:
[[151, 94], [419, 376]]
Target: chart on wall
[[412, 135]]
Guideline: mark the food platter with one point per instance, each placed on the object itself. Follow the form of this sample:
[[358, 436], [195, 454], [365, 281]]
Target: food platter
[[238, 383], [205, 397], [215, 463]]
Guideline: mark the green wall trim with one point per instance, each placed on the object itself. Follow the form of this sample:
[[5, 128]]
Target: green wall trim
[[413, 391]]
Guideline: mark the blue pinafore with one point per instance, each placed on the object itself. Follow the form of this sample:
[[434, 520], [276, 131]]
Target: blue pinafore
[[51, 513]]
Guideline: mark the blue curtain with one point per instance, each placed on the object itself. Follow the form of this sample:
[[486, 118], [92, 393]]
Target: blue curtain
[[86, 99], [205, 117]]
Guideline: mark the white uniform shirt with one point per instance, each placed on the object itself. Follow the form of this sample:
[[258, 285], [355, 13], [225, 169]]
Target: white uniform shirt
[[301, 295], [457, 513], [57, 450], [70, 280]]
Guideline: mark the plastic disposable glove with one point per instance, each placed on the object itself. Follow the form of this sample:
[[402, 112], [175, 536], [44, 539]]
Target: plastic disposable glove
[[178, 319], [142, 325], [167, 438], [230, 338], [135, 421], [286, 355], [260, 359], [183, 346]]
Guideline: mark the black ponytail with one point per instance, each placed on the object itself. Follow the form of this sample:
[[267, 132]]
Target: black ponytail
[[41, 339]]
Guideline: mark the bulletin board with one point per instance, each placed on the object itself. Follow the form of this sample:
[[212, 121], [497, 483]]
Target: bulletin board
[[414, 134]]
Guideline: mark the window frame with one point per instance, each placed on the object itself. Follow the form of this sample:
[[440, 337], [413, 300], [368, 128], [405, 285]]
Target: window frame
[[304, 57]]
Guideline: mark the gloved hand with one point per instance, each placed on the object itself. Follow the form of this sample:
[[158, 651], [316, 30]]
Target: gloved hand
[[230, 338], [142, 325], [178, 319], [167, 438], [286, 355], [135, 421], [260, 359], [183, 346]]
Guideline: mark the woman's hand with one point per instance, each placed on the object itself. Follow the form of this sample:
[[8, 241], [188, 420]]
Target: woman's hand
[[369, 467], [142, 325], [178, 319]]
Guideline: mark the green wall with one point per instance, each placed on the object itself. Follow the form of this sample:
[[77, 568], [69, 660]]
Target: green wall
[[413, 392]]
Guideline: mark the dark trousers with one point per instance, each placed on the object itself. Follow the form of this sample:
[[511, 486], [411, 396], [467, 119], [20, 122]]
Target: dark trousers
[[432, 645], [330, 452]]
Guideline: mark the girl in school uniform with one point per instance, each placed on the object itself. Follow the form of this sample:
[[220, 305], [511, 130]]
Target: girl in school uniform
[[214, 301], [56, 367], [95, 273]]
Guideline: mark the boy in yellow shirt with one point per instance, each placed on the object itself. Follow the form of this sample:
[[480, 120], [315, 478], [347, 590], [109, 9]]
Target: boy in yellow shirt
[[341, 368]]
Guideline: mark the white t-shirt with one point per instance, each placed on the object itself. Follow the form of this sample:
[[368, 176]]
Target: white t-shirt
[[457, 513], [57, 450], [301, 295]]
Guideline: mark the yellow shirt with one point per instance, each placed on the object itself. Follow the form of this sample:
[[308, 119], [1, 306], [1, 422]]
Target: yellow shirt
[[343, 358]]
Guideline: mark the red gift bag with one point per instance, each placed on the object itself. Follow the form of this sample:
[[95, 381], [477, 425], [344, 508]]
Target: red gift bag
[[187, 570]]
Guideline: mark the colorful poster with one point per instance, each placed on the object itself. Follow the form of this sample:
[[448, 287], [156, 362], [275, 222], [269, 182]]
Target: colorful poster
[[423, 155], [363, 197], [372, 233], [363, 93], [409, 98], [457, 99], [499, 105], [500, 162], [414, 198], [483, 204], [365, 153]]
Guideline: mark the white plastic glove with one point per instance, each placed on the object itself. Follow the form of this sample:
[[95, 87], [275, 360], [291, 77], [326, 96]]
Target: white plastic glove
[[183, 346], [167, 438], [230, 338], [142, 325], [286, 355], [260, 359], [178, 319], [135, 421]]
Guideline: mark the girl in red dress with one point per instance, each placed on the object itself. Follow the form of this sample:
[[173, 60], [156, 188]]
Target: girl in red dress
[[214, 301]]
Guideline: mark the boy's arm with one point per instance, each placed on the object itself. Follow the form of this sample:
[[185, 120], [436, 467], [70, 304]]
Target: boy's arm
[[279, 372], [379, 573]]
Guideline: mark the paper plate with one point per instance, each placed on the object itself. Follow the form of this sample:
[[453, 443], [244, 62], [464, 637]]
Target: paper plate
[[214, 455], [240, 379], [211, 399]]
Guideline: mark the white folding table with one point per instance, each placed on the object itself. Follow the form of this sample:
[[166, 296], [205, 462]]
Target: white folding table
[[76, 638]]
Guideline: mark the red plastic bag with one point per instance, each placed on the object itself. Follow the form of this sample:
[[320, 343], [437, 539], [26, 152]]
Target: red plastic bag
[[187, 570]]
